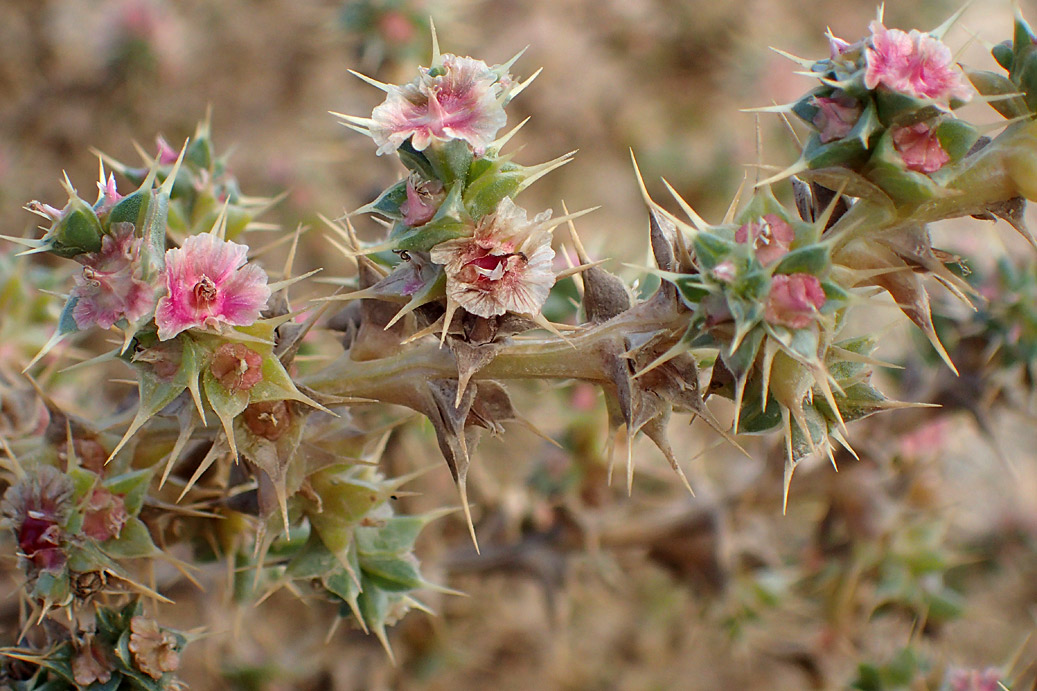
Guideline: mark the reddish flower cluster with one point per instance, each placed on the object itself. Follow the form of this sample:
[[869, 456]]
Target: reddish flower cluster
[[915, 64]]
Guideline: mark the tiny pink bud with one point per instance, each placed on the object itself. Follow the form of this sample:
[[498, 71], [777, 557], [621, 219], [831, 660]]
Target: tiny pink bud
[[109, 195], [423, 200], [837, 46], [836, 116], [794, 300], [725, 271], [771, 237], [920, 148], [237, 367], [167, 155], [45, 210]]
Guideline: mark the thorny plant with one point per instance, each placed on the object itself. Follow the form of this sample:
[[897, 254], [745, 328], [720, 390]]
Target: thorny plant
[[254, 462]]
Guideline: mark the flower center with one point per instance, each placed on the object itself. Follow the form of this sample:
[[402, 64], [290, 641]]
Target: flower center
[[205, 290], [765, 237], [489, 267]]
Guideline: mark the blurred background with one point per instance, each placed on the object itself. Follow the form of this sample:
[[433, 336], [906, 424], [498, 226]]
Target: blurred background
[[909, 564]]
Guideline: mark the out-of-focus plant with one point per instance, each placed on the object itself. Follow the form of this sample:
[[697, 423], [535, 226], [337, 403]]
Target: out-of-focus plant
[[240, 449]]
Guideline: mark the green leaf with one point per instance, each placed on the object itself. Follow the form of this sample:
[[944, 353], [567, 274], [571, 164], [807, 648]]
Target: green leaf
[[392, 574], [130, 209], [415, 160], [691, 289], [226, 404], [395, 537], [389, 202], [813, 259], [994, 84], [756, 420], [711, 249], [314, 560], [134, 541], [133, 487], [78, 231], [449, 160], [486, 191], [956, 137]]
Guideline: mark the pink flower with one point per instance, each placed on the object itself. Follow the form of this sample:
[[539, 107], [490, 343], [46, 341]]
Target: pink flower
[[505, 267], [423, 200], [771, 238], [836, 116], [458, 99], [915, 64], [794, 300], [110, 287], [920, 148], [208, 283]]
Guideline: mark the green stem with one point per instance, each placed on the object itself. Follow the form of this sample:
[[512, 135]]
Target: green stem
[[578, 356]]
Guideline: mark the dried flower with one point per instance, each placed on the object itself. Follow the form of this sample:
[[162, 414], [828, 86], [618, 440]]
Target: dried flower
[[771, 237], [90, 664], [920, 148], [110, 286], [154, 650], [423, 200], [37, 507], [915, 64], [836, 116], [104, 515], [209, 283], [268, 419], [505, 267], [459, 98], [794, 300], [237, 367]]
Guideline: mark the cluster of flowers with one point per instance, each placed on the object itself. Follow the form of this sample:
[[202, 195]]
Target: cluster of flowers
[[885, 110], [453, 218], [766, 291]]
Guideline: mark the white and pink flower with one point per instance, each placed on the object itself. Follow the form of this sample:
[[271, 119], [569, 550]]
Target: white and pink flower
[[920, 148], [209, 282], [915, 64], [460, 98], [794, 300], [504, 267], [110, 286]]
